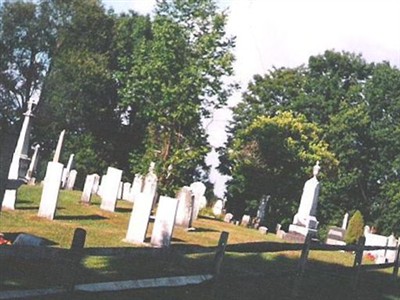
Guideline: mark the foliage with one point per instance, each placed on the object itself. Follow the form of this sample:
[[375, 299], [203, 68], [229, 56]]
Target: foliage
[[355, 105], [26, 43], [270, 155], [170, 82], [355, 228]]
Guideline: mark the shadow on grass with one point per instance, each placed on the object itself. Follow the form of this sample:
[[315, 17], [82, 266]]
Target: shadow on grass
[[244, 276], [28, 208], [202, 229], [123, 209], [80, 218]]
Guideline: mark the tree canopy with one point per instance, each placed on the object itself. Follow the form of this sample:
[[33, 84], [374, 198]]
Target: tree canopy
[[354, 105]]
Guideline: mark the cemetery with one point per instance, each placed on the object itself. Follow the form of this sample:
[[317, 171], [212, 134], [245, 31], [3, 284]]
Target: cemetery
[[109, 255], [130, 169]]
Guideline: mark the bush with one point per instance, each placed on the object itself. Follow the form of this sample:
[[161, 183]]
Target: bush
[[355, 229]]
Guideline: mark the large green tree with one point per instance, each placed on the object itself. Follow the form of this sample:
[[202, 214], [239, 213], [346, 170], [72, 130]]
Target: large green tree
[[80, 93], [274, 156], [172, 81], [26, 44], [355, 104]]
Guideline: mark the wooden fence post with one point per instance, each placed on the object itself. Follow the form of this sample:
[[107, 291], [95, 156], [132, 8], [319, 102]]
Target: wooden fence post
[[78, 242], [396, 264], [302, 265], [219, 254], [358, 260]]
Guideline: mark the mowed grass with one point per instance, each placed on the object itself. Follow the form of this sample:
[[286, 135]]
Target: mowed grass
[[248, 275]]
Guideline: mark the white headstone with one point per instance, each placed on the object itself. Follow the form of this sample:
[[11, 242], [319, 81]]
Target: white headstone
[[261, 209], [109, 189], [245, 220], [67, 170], [305, 216], [198, 189], [87, 189], [345, 221], [228, 217], [184, 212], [51, 188], [165, 221], [139, 219], [150, 181], [96, 183], [217, 208], [120, 190], [71, 180], [33, 164], [57, 154], [126, 191], [137, 187], [203, 202]]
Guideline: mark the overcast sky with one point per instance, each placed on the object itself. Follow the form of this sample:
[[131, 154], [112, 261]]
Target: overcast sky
[[285, 33]]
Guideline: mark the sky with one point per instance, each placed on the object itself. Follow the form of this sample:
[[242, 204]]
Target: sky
[[285, 33]]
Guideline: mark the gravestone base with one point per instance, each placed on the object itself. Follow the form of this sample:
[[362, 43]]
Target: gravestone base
[[302, 230], [336, 236]]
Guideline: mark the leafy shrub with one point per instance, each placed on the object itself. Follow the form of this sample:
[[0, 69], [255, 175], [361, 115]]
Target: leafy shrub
[[355, 229]]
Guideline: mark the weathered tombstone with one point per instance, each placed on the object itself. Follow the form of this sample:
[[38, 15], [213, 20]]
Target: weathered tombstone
[[71, 180], [51, 188], [57, 153], [203, 202], [336, 236], [120, 190], [139, 219], [110, 188], [345, 221], [245, 221], [305, 221], [96, 183], [228, 218], [262, 210], [87, 189], [165, 221], [184, 212], [32, 166], [198, 189], [137, 187], [24, 239], [67, 171], [150, 182], [102, 184], [126, 191], [217, 208]]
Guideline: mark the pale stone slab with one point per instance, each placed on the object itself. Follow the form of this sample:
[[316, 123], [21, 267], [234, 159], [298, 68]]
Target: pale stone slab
[[198, 189], [71, 180], [96, 183], [137, 187], [139, 219], [184, 212], [51, 188], [109, 189], [126, 191], [165, 222], [245, 220], [228, 217], [87, 189], [217, 208]]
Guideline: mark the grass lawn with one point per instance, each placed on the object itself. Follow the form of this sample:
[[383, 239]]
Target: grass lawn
[[248, 275]]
